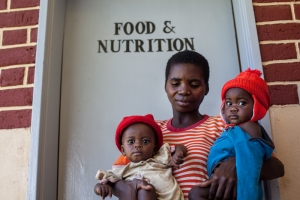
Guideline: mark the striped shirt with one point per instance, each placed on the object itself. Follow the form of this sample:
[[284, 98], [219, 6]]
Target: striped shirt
[[198, 139]]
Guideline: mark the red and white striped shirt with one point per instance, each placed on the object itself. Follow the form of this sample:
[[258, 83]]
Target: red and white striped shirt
[[198, 139]]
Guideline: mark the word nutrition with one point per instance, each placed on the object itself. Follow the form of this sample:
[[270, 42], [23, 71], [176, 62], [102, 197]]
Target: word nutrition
[[144, 45]]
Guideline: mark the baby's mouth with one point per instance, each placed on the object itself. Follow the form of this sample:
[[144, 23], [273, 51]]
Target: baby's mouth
[[137, 153], [233, 117]]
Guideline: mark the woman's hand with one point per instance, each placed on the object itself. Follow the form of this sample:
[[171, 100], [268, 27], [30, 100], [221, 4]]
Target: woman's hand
[[223, 182], [127, 190]]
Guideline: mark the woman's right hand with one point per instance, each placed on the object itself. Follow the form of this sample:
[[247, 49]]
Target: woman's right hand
[[223, 182], [127, 190]]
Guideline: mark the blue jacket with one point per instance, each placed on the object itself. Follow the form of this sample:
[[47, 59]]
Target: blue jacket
[[250, 154]]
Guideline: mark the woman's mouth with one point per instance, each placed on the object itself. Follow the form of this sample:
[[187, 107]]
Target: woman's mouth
[[183, 103]]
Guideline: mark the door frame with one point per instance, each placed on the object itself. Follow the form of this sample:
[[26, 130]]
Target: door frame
[[44, 140]]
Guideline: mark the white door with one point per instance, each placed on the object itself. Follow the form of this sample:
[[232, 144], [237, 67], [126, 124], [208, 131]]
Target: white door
[[114, 58]]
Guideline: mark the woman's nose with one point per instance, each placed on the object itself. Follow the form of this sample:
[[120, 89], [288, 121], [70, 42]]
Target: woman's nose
[[184, 90]]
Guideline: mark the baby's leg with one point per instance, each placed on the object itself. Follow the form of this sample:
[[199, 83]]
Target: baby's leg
[[147, 194], [199, 193]]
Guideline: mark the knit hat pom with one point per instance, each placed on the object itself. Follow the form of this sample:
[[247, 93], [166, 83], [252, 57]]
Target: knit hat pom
[[255, 71], [129, 120]]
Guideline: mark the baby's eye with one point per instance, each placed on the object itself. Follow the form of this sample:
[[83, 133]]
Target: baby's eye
[[228, 103], [130, 141], [242, 103], [145, 141]]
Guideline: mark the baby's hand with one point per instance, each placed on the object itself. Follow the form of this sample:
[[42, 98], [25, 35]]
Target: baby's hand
[[103, 190], [178, 156]]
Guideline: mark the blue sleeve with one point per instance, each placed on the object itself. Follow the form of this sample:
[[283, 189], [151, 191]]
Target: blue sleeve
[[250, 154]]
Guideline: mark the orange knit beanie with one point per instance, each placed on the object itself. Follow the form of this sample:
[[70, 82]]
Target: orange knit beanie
[[251, 81]]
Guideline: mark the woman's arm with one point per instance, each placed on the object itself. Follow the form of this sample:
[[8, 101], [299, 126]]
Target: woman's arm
[[272, 168], [223, 182]]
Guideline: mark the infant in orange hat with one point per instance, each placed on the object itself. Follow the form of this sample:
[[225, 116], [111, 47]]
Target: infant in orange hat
[[245, 100]]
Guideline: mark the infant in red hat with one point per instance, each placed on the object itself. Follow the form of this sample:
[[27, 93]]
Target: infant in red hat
[[245, 100], [140, 140]]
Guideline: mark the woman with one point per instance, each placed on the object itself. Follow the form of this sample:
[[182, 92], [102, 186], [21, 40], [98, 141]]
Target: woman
[[186, 84]]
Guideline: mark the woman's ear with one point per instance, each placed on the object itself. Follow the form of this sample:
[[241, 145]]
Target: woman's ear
[[207, 89]]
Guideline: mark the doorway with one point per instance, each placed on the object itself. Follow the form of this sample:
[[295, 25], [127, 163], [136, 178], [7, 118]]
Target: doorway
[[114, 57]]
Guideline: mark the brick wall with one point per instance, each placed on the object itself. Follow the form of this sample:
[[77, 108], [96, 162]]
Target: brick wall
[[18, 37], [278, 29]]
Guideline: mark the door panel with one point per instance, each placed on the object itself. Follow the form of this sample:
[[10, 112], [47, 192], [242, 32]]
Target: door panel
[[102, 83]]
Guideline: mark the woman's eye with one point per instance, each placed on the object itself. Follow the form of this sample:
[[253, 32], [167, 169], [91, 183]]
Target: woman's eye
[[175, 84], [194, 85]]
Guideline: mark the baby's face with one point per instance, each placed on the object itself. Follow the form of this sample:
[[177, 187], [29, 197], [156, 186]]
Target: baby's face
[[138, 142], [238, 106]]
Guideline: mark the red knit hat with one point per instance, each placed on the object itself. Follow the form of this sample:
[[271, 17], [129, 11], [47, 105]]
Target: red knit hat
[[250, 81], [129, 120]]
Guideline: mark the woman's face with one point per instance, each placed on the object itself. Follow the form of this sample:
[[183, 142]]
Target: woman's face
[[186, 87]]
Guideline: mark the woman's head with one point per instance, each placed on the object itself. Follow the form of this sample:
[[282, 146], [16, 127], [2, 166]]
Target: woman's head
[[191, 57], [250, 82], [187, 75]]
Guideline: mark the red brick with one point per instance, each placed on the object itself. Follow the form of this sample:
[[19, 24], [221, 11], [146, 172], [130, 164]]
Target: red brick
[[16, 97], [24, 3], [272, 13], [3, 4], [10, 77], [282, 72], [33, 35], [14, 37], [15, 119], [283, 94], [19, 55], [19, 18], [271, 1], [30, 77], [290, 31], [297, 11], [271, 52]]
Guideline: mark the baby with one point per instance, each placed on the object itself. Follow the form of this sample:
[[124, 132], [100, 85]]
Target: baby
[[140, 139], [245, 100]]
